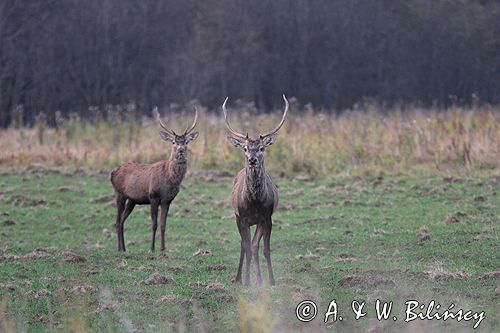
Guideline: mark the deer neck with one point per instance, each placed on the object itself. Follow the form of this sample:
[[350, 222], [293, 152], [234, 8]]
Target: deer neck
[[176, 170], [255, 182]]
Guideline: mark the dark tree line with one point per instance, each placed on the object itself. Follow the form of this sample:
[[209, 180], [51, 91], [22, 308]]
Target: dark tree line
[[70, 54]]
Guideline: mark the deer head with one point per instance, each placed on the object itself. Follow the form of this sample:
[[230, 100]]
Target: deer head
[[254, 148], [179, 141]]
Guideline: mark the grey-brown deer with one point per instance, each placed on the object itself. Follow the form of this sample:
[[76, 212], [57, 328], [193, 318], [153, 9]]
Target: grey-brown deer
[[254, 198], [154, 184]]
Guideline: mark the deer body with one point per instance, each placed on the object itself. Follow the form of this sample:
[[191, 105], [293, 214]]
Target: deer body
[[141, 182], [254, 199], [253, 194], [155, 184]]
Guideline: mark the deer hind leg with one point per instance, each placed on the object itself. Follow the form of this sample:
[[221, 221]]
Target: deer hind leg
[[163, 223], [154, 220], [129, 207], [120, 206], [255, 251], [267, 250]]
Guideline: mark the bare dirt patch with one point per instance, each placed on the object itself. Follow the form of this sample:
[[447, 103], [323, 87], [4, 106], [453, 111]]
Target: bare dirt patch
[[71, 257], [223, 203], [452, 180], [440, 275], [297, 192], [361, 281], [202, 252], [139, 268], [490, 275], [43, 319], [82, 290], [9, 223], [329, 218], [310, 255], [226, 298], [38, 294], [175, 269], [36, 254], [424, 235], [290, 207], [23, 201], [219, 267], [481, 237], [379, 232], [92, 272], [304, 178], [217, 287], [344, 257], [9, 257], [156, 279], [102, 199], [480, 198], [433, 191], [8, 286], [197, 284], [106, 233], [454, 218], [175, 299]]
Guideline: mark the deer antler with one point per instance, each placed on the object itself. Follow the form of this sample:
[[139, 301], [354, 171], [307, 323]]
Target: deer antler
[[157, 115], [189, 129], [237, 134], [282, 120]]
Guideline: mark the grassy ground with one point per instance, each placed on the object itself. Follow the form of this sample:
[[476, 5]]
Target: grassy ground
[[393, 239]]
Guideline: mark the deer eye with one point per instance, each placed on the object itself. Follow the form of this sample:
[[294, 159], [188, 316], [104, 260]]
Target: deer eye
[[245, 149], [261, 149]]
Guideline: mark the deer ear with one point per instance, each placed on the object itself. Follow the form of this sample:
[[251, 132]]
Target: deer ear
[[235, 142], [167, 137], [191, 137], [269, 140]]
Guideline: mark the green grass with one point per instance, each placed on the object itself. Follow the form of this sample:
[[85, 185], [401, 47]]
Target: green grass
[[327, 230]]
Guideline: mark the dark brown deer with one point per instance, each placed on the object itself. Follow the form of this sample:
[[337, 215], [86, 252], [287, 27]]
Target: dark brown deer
[[254, 198], [154, 184]]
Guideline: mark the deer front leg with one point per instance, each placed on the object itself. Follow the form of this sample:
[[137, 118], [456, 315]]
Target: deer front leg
[[237, 279], [163, 223], [247, 243], [154, 220], [255, 250], [267, 250]]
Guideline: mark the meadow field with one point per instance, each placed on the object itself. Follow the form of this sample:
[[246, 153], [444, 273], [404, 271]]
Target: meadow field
[[394, 206], [369, 140]]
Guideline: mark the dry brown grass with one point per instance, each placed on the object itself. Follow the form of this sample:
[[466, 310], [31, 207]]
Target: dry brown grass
[[310, 143]]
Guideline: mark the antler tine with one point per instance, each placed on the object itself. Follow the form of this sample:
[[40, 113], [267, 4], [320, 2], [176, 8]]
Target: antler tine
[[189, 129], [158, 118], [239, 135], [282, 120]]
